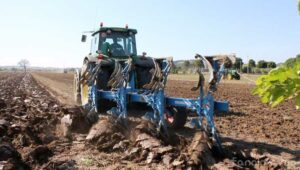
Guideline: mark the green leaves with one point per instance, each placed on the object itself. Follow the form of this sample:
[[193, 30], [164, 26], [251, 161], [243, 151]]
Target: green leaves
[[299, 6], [280, 84]]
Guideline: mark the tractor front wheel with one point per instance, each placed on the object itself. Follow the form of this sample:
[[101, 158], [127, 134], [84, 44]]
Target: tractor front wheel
[[176, 117], [237, 76]]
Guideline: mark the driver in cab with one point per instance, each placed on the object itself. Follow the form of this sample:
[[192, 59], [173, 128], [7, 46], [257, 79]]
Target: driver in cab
[[116, 49]]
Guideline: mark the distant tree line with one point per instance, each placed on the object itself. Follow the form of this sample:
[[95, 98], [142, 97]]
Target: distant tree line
[[261, 67], [252, 67]]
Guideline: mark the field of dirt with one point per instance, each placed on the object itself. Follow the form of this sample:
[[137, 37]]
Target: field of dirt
[[32, 135], [62, 89], [251, 123], [248, 117]]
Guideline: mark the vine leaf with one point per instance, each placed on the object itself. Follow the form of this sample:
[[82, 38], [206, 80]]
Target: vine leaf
[[280, 84]]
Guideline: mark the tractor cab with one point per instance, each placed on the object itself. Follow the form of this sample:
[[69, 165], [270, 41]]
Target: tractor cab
[[116, 44], [113, 42]]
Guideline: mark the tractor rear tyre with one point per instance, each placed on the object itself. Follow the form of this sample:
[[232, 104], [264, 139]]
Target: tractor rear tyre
[[76, 87], [237, 77], [175, 117]]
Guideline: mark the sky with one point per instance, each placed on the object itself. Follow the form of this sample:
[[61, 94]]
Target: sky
[[48, 33]]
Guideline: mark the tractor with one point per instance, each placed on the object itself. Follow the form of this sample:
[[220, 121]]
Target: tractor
[[231, 74], [113, 76]]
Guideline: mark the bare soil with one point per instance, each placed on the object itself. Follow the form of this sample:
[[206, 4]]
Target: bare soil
[[251, 131], [251, 124], [248, 117], [33, 136], [60, 86]]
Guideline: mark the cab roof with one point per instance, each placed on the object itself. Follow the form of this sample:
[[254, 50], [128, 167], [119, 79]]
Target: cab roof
[[115, 29]]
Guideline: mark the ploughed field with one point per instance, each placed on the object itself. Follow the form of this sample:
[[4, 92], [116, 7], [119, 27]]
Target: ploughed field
[[34, 135], [248, 117]]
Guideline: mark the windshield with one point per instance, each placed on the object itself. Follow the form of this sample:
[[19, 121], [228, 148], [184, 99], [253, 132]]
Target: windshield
[[117, 43]]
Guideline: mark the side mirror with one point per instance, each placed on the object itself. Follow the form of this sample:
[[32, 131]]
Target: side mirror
[[83, 38]]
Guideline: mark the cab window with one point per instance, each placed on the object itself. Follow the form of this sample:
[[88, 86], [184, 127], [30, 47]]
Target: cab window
[[120, 43]]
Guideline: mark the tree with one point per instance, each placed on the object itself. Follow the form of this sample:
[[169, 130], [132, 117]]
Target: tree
[[186, 63], [246, 69], [262, 64], [174, 69], [256, 70], [291, 61], [238, 63], [198, 63], [251, 63], [271, 64], [24, 64]]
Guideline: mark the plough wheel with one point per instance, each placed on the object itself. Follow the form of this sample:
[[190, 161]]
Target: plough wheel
[[76, 88], [238, 77], [175, 117]]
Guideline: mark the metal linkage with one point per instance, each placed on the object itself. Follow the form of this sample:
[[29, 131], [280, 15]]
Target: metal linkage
[[155, 82], [118, 81], [204, 105], [155, 97]]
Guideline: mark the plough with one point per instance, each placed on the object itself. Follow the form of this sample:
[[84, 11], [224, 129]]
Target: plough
[[114, 72]]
